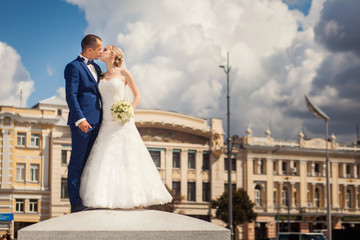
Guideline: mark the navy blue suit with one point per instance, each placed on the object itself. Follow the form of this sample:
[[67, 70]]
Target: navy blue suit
[[84, 101]]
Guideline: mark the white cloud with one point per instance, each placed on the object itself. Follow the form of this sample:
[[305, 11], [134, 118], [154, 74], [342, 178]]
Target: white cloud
[[61, 92], [50, 70], [174, 48], [16, 83]]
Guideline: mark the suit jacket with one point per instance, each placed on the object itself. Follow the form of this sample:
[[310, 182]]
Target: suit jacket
[[82, 92]]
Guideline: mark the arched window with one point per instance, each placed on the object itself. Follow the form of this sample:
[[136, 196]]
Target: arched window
[[348, 198], [317, 197], [284, 196], [258, 199]]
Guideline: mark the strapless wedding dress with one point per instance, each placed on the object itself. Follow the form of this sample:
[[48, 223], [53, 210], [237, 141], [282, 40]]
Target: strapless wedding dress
[[119, 172]]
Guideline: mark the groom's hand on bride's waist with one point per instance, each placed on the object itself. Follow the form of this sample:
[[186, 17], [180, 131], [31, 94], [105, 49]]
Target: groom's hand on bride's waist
[[84, 126]]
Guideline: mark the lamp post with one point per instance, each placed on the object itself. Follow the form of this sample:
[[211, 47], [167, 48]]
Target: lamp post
[[317, 112], [230, 208]]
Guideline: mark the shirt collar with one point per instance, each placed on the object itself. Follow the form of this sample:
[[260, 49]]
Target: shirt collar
[[84, 58]]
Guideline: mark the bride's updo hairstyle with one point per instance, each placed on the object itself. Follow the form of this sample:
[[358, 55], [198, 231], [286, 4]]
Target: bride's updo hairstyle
[[119, 55]]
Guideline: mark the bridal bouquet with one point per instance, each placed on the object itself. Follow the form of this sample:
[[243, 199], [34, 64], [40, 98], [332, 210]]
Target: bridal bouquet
[[122, 111]]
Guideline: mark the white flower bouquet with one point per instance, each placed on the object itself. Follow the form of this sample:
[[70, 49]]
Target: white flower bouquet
[[122, 111]]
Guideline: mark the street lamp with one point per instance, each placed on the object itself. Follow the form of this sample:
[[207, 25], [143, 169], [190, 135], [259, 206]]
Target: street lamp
[[317, 112], [230, 212]]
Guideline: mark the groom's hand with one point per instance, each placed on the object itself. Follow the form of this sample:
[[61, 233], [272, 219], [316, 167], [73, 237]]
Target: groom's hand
[[84, 126]]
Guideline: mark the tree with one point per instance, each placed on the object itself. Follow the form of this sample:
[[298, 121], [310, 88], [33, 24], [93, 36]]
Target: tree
[[242, 207], [168, 207]]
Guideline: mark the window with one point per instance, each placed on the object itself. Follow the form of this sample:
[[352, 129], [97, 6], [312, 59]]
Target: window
[[348, 170], [64, 191], [156, 157], [33, 205], [34, 172], [284, 197], [21, 139], [63, 156], [284, 167], [34, 140], [191, 196], [176, 158], [206, 161], [191, 159], [206, 192], [275, 198], [19, 205], [176, 187], [317, 169], [20, 172], [59, 112], [317, 197], [348, 198], [258, 196]]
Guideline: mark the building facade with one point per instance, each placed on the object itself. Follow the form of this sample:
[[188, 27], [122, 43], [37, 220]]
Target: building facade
[[24, 147], [285, 179], [287, 182]]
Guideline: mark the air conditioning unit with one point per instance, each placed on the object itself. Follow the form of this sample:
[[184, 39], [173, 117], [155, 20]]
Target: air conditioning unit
[[293, 170], [310, 204], [348, 175]]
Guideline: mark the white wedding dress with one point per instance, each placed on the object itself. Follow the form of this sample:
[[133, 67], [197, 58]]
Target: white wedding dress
[[119, 172]]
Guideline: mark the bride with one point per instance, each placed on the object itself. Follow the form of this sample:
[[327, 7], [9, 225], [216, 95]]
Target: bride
[[119, 172]]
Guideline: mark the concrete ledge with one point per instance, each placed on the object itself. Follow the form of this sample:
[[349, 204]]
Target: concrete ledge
[[124, 224]]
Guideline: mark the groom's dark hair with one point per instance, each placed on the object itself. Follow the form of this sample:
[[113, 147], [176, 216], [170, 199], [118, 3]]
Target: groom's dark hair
[[89, 41]]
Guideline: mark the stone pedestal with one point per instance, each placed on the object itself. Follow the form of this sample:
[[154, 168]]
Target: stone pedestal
[[124, 224]]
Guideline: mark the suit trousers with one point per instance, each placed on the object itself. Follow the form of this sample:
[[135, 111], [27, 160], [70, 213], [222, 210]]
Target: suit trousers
[[81, 147]]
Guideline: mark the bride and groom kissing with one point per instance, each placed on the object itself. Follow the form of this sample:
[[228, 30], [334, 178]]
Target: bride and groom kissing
[[110, 166]]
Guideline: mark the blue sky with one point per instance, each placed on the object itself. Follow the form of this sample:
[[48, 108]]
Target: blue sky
[[280, 50], [47, 35]]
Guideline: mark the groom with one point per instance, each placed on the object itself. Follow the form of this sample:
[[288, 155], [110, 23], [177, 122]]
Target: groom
[[83, 99]]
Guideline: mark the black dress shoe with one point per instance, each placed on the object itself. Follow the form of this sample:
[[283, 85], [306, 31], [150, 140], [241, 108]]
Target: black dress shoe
[[78, 208]]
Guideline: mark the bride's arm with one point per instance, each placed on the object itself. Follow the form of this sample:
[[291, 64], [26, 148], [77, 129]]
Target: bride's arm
[[130, 81]]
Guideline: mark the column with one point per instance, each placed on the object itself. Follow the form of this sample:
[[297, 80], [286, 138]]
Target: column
[[168, 167], [280, 170], [355, 170], [259, 165], [313, 169], [184, 169], [324, 170], [356, 199], [280, 190], [250, 179], [199, 181], [293, 190], [324, 196], [6, 159], [334, 168], [344, 196], [303, 184], [269, 183], [313, 186], [292, 169], [344, 170]]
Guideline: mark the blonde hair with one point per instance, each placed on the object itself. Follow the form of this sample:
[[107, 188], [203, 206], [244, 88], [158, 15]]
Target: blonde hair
[[119, 55]]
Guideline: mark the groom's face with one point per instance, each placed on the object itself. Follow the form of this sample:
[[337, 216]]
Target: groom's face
[[95, 53]]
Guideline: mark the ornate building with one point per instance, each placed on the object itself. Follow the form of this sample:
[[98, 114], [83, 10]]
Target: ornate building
[[287, 181]]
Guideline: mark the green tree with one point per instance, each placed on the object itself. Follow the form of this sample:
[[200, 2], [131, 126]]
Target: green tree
[[242, 207]]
